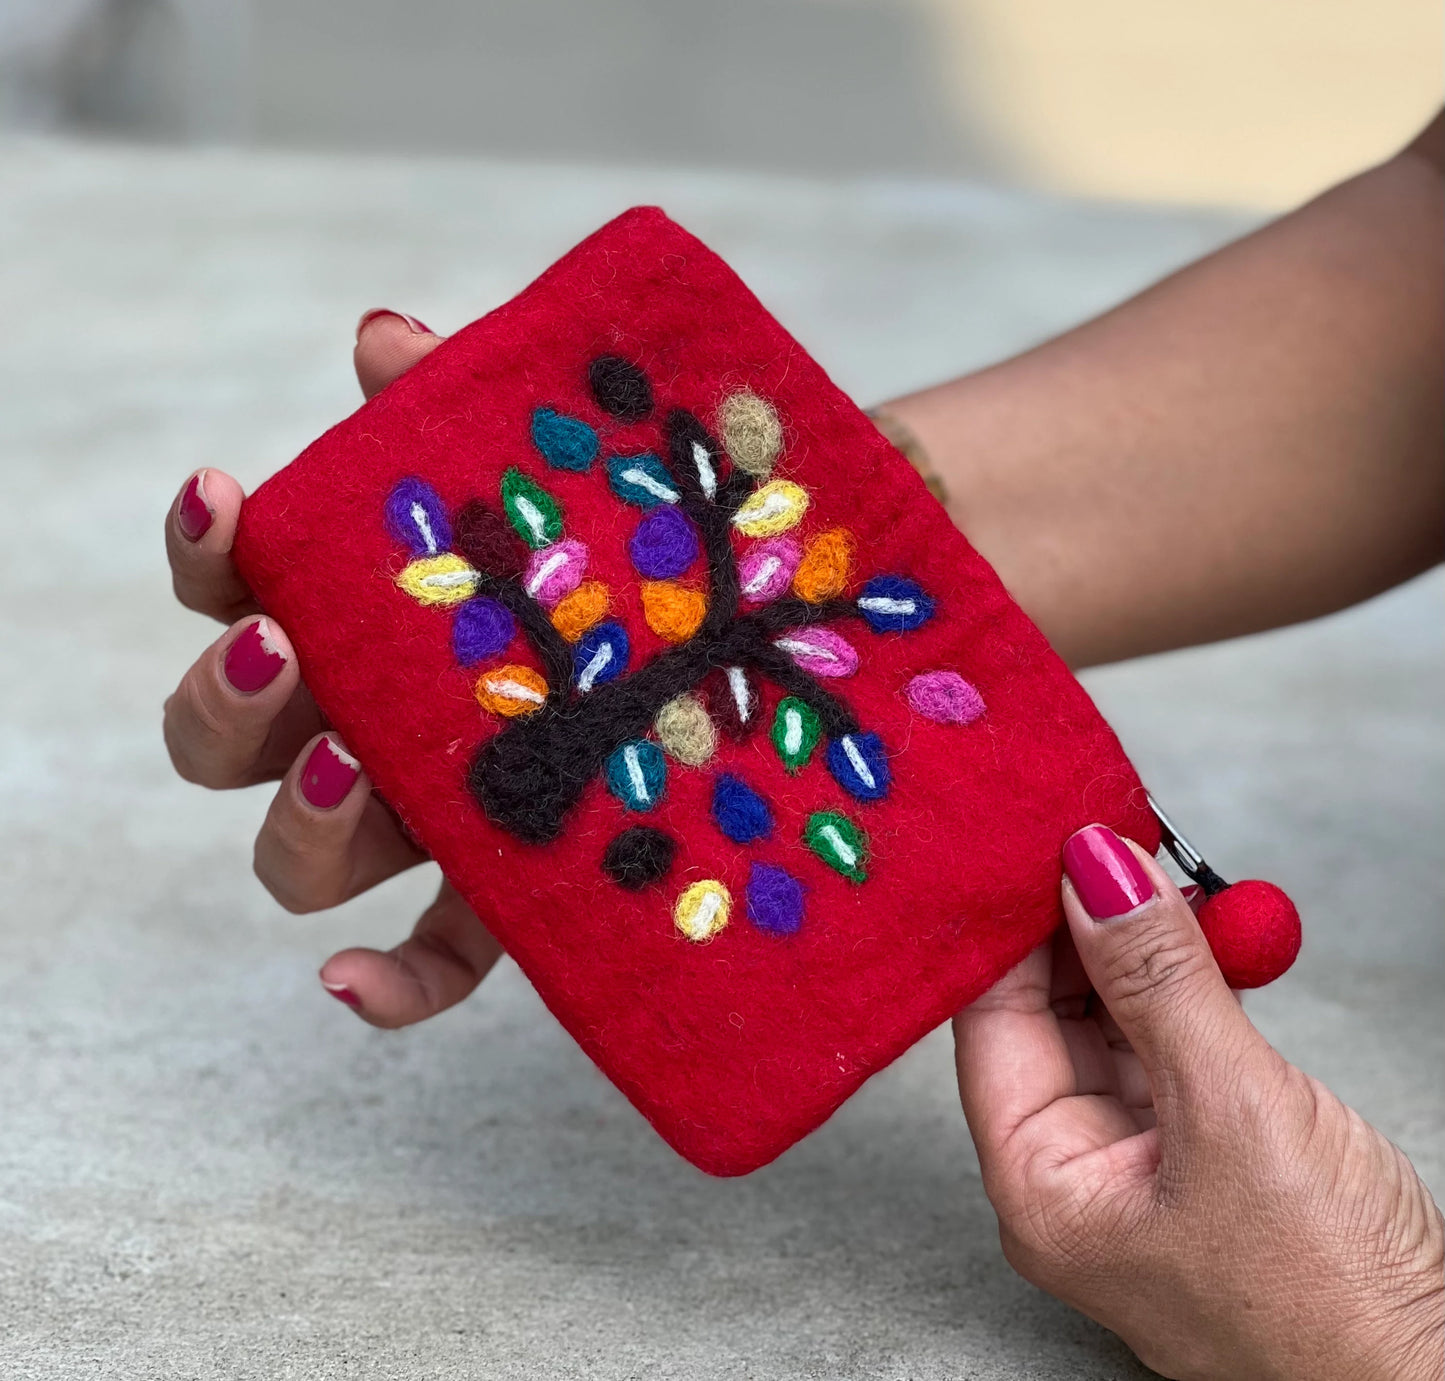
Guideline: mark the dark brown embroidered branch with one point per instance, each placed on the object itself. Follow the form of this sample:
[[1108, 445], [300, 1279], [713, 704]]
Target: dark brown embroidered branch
[[530, 774]]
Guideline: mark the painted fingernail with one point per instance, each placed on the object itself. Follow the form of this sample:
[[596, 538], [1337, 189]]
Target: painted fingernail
[[417, 328], [328, 775], [342, 993], [253, 660], [193, 513], [1105, 873]]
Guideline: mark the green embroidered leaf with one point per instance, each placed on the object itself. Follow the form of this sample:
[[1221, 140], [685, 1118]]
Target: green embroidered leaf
[[838, 842], [531, 510], [796, 732]]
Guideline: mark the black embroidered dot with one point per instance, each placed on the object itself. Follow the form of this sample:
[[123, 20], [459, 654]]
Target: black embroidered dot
[[486, 539], [620, 388], [638, 856]]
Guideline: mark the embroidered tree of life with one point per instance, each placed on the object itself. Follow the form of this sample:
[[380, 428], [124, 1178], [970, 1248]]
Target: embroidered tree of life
[[764, 615]]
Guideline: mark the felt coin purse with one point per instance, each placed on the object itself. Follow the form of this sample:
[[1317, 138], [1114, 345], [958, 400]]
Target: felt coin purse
[[692, 689]]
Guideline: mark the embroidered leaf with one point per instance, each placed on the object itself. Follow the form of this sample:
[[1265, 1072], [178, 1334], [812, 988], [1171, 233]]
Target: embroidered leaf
[[601, 656], [511, 690], [674, 612], [486, 539], [733, 699], [838, 842], [638, 856], [416, 516], [945, 697], [642, 481], [860, 766], [702, 909], [620, 388], [531, 510], [482, 628], [740, 812], [767, 570], [555, 571], [819, 651], [751, 432], [566, 443], [775, 507], [664, 545], [637, 774], [796, 732], [444, 579], [894, 604], [775, 899], [823, 572], [686, 731], [579, 611]]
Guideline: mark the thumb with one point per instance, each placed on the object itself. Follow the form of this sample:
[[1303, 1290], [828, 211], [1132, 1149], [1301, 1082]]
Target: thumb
[[1150, 964]]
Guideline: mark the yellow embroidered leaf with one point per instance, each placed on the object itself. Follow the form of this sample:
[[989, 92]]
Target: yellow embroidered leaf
[[444, 579], [772, 508], [702, 909]]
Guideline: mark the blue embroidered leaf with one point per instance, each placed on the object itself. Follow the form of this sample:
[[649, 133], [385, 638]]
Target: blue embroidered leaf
[[740, 812], [601, 656], [894, 604], [642, 480], [416, 516], [860, 766], [566, 443], [636, 774], [481, 629]]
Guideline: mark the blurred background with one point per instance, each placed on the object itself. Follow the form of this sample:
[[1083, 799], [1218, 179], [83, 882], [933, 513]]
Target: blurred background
[[1232, 102], [208, 1168]]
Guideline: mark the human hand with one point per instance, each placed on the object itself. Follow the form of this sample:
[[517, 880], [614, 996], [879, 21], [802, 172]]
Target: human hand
[[242, 715], [1156, 1164]]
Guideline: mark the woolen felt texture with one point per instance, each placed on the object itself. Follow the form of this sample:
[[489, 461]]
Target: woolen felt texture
[[736, 1046]]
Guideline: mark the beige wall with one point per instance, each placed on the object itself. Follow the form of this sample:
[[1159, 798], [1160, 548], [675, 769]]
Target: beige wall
[[1246, 102]]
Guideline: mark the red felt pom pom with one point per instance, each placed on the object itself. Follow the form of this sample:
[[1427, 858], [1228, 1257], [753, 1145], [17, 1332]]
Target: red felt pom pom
[[1254, 931]]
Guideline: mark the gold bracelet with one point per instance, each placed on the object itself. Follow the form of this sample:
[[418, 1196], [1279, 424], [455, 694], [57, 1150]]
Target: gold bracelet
[[909, 446]]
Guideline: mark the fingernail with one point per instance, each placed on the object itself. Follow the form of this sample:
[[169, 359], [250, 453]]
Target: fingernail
[[328, 775], [193, 513], [253, 660], [1105, 873], [342, 993], [418, 328]]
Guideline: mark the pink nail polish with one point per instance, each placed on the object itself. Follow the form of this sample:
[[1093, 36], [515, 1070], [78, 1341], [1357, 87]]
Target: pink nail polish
[[193, 513], [342, 993], [1105, 873], [253, 660], [328, 775], [417, 328]]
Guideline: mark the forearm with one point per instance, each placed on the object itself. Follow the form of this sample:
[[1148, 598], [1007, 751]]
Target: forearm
[[1256, 440]]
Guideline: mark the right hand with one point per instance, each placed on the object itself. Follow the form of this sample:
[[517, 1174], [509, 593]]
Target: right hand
[[242, 715], [1156, 1164]]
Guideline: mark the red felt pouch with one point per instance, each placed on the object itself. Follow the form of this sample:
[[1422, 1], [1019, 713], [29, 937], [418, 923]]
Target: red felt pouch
[[691, 688]]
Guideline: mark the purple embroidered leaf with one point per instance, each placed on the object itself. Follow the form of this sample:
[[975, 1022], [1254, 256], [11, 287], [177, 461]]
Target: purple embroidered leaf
[[664, 545], [416, 516], [482, 628], [775, 899]]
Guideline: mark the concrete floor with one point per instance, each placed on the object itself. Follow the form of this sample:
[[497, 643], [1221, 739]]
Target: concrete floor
[[207, 1168]]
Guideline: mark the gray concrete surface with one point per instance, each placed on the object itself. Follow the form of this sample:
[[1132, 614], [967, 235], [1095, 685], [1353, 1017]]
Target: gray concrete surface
[[207, 1168]]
